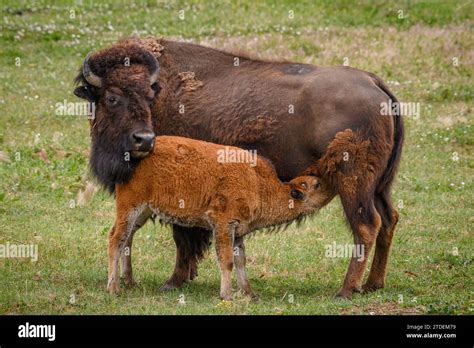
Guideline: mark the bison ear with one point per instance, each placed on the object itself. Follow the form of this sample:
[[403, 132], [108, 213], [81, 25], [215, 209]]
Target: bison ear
[[85, 92]]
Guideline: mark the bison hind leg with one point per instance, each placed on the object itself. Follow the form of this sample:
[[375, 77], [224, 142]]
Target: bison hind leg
[[389, 215], [365, 227]]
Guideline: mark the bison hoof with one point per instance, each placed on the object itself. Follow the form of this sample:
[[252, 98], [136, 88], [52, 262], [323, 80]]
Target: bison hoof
[[168, 287], [193, 273]]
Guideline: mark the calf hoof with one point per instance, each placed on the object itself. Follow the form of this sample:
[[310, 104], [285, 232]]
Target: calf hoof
[[253, 296], [129, 282], [347, 293], [248, 293], [372, 286], [226, 296], [113, 287]]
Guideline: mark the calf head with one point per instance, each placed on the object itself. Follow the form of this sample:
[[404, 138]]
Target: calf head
[[122, 83], [310, 193]]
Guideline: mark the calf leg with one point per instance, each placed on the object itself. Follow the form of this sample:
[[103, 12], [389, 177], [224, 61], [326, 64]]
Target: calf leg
[[116, 244], [239, 260], [127, 273], [376, 279], [224, 236], [127, 222], [365, 227]]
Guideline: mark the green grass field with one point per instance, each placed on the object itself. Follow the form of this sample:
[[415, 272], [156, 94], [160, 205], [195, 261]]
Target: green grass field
[[423, 50]]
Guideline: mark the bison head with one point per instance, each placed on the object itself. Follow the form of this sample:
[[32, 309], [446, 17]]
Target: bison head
[[122, 83]]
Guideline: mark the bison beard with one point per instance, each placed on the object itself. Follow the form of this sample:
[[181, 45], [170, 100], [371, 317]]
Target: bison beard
[[108, 166]]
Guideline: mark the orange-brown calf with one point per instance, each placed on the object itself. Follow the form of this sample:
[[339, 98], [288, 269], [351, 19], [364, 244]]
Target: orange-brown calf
[[185, 182]]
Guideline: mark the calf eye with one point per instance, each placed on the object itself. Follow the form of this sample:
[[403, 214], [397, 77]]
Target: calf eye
[[317, 186]]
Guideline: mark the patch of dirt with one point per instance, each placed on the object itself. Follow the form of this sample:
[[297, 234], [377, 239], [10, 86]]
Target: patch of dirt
[[85, 196], [451, 120], [4, 157], [389, 308], [104, 214]]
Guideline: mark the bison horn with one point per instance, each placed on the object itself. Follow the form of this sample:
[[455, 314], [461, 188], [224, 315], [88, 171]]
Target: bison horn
[[154, 75], [90, 77]]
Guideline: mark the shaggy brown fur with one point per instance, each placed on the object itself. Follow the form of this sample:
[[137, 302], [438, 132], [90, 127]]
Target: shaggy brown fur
[[288, 112], [183, 182]]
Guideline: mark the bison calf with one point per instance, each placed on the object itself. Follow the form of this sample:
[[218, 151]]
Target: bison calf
[[186, 182]]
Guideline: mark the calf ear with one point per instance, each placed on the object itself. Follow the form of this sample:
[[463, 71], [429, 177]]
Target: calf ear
[[85, 92]]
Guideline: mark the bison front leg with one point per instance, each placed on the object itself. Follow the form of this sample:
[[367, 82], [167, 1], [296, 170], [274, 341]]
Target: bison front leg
[[182, 265], [191, 244]]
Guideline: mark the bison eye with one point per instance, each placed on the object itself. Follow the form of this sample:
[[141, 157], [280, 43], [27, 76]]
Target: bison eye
[[317, 186], [112, 100], [156, 87]]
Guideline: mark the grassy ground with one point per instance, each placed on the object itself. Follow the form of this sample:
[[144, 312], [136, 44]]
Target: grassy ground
[[426, 56]]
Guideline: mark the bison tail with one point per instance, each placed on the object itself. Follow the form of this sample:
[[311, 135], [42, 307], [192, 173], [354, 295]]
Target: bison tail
[[387, 177]]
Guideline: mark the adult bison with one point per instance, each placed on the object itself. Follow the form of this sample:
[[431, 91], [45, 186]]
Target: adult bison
[[288, 112]]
